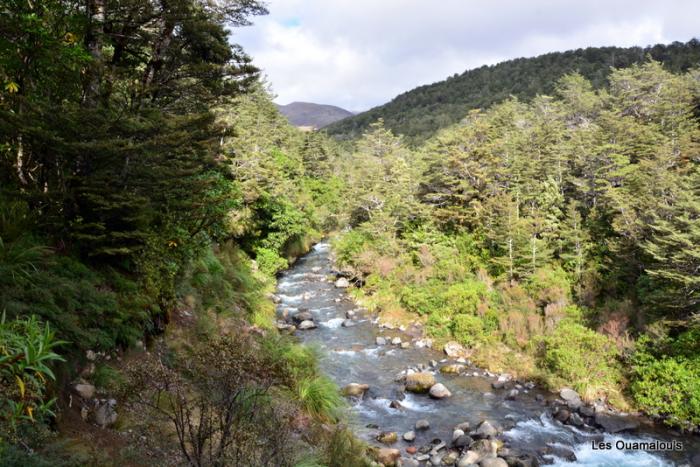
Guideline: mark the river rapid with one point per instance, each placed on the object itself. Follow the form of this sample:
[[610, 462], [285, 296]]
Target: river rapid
[[351, 355]]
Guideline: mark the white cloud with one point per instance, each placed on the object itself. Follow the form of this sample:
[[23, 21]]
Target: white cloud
[[361, 53]]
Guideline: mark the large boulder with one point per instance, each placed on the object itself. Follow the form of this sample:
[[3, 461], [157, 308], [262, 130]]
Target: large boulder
[[388, 456], [454, 350], [439, 391], [342, 283], [569, 395], [419, 382], [615, 423], [355, 389]]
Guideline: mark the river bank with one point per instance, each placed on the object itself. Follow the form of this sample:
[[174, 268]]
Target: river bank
[[352, 343]]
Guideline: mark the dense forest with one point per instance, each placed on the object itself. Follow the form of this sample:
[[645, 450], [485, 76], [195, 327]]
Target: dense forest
[[559, 238], [418, 114], [151, 193]]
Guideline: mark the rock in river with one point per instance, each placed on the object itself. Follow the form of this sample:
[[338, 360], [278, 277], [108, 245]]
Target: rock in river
[[307, 324], [409, 436], [419, 382], [422, 424], [303, 316], [355, 389], [452, 369], [387, 437], [342, 283], [616, 423], [485, 430], [439, 391]]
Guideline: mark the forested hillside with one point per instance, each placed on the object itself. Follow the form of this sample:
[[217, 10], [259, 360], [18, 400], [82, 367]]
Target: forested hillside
[[557, 238], [149, 192], [421, 112], [312, 115]]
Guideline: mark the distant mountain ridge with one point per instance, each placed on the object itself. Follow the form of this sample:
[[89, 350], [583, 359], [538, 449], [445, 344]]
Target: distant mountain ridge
[[421, 112], [307, 114]]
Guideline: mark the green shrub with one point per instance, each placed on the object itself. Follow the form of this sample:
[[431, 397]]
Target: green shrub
[[468, 329], [549, 285], [668, 386], [269, 261], [320, 397], [349, 246], [577, 356], [26, 357]]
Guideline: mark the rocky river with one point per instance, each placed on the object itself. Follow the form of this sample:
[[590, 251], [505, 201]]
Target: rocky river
[[356, 350]]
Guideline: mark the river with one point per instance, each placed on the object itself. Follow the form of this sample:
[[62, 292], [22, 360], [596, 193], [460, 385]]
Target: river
[[351, 355]]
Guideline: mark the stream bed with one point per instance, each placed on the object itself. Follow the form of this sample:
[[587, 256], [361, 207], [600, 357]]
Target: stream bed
[[351, 355]]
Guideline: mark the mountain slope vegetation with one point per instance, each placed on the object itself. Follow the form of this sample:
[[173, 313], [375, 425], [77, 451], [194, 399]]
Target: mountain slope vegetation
[[421, 112], [307, 114]]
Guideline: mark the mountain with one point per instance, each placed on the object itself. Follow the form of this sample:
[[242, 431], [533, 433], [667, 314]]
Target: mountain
[[306, 114], [420, 113]]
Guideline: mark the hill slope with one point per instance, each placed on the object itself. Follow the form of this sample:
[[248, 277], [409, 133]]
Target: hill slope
[[420, 113], [314, 115]]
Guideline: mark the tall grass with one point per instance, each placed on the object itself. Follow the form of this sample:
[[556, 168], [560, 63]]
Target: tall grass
[[320, 397]]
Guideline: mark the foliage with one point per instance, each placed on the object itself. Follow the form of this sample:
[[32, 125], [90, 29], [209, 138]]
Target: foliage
[[26, 357], [320, 397], [579, 356], [422, 112], [668, 385]]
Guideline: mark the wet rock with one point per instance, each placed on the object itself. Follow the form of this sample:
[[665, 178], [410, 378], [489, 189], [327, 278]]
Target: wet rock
[[84, 390], [396, 341], [484, 447], [303, 316], [106, 413], [562, 415], [419, 382], [438, 444], [410, 463], [387, 437], [463, 441], [485, 430], [422, 424], [372, 426], [380, 340], [512, 394], [355, 389], [422, 457], [453, 349], [405, 345], [439, 391], [456, 434], [411, 450], [562, 452], [615, 423], [453, 369], [575, 419], [409, 436], [388, 456], [436, 459], [286, 328], [586, 411], [342, 283], [493, 462], [395, 405], [348, 323], [306, 325]]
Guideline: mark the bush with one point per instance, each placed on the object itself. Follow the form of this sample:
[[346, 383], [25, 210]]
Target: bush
[[577, 356], [468, 329], [549, 285], [26, 355], [270, 262], [668, 386], [320, 397]]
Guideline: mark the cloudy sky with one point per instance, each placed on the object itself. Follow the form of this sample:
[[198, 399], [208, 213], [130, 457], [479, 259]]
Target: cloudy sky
[[360, 53]]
